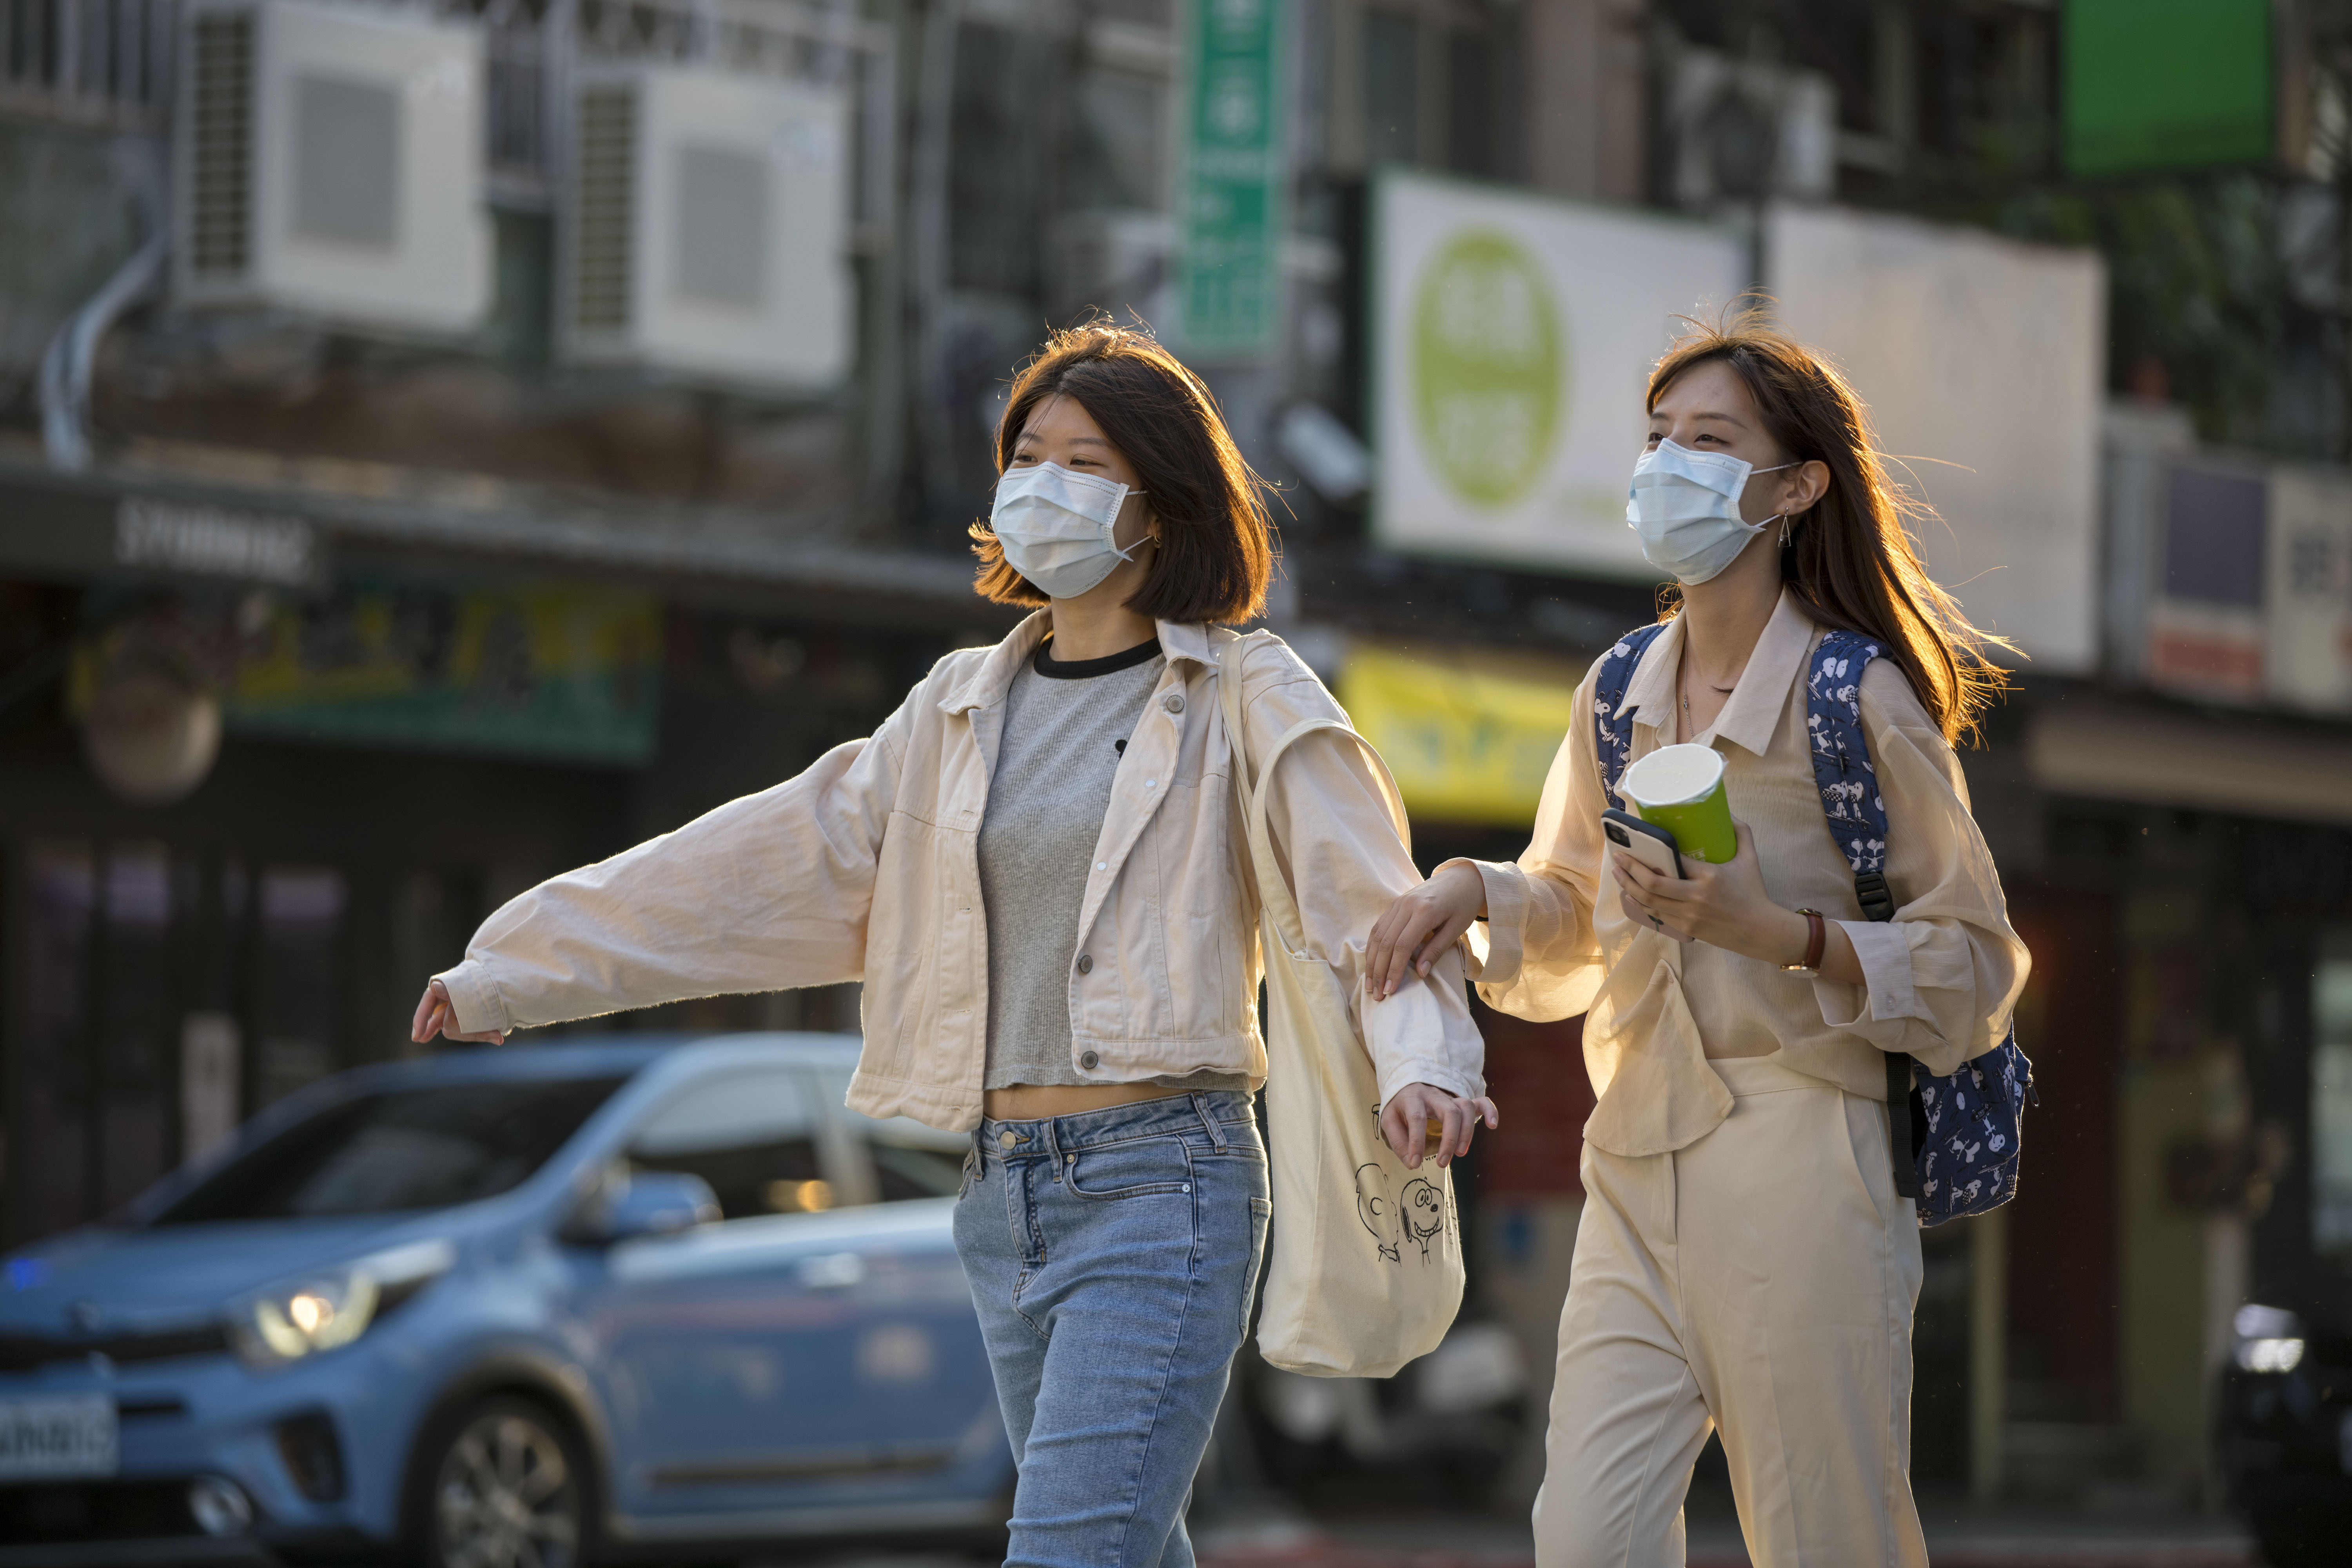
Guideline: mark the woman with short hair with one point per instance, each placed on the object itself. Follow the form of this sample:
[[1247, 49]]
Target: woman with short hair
[[1744, 1263], [1035, 868]]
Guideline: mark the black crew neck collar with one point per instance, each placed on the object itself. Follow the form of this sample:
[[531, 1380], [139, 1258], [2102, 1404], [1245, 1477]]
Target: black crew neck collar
[[1053, 668]]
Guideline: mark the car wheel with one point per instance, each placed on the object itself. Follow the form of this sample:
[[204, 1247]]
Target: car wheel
[[504, 1485]]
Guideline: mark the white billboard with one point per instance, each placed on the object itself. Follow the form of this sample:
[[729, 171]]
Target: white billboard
[[1514, 335], [1983, 361]]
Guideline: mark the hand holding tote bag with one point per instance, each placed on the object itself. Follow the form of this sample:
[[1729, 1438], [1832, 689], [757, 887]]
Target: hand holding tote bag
[[1367, 1268]]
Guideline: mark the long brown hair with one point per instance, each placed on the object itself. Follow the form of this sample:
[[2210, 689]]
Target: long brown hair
[[1216, 549], [1850, 560]]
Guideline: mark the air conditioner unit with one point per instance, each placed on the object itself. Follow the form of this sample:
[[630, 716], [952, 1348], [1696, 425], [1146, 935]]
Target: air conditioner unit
[[329, 161], [1743, 131], [707, 226]]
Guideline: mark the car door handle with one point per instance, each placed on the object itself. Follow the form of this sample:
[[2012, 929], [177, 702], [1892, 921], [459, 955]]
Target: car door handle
[[831, 1271]]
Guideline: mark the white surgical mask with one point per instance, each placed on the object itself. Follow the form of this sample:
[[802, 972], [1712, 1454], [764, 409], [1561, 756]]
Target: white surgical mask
[[1055, 527], [1686, 506]]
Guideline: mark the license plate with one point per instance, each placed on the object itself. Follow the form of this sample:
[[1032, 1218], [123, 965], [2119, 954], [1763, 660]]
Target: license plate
[[62, 1435]]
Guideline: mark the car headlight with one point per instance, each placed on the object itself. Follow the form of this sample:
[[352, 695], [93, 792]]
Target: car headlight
[[2269, 1339], [332, 1307]]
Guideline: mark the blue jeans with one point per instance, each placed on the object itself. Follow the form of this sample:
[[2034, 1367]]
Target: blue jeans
[[1112, 1255]]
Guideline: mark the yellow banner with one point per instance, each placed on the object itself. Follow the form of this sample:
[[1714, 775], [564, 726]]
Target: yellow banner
[[1466, 744]]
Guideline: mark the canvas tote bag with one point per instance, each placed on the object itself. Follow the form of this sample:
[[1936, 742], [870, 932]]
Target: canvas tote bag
[[1366, 1273]]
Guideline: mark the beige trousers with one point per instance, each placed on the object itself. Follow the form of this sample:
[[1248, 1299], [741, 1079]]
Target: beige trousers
[[1760, 1280]]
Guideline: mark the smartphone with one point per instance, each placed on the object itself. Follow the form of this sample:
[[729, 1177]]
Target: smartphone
[[1645, 841]]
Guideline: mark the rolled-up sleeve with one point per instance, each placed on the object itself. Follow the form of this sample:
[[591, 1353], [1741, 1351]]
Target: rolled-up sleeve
[[1942, 977], [1340, 855], [765, 893]]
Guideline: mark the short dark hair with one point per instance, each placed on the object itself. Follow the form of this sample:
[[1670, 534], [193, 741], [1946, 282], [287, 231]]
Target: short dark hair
[[1216, 542]]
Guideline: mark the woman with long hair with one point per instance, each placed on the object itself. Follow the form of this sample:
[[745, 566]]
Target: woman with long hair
[[1034, 867], [1744, 1263]]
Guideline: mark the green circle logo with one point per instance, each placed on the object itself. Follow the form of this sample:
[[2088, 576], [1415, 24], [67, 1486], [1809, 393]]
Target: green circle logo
[[1487, 363]]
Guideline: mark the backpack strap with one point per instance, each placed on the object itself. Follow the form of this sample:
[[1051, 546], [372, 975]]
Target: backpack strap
[[1848, 785], [1612, 726], [1857, 819]]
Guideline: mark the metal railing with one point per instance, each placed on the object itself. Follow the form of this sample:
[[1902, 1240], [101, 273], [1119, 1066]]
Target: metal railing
[[91, 61]]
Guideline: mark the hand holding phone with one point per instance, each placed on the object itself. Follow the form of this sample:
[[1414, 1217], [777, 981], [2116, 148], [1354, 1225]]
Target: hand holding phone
[[1645, 841]]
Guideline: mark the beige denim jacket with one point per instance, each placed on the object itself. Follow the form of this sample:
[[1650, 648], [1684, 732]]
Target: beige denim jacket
[[865, 867]]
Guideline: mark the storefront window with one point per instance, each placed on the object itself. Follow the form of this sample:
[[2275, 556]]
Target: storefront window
[[301, 962], [136, 1020], [94, 1126], [172, 991], [49, 1159]]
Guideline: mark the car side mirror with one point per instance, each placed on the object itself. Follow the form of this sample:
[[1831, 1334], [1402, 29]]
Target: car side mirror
[[633, 1204]]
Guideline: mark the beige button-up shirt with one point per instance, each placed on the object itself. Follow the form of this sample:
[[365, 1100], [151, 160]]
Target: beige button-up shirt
[[866, 868], [1941, 977]]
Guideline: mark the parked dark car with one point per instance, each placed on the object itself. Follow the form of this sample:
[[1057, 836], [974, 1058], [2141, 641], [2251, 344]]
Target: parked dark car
[[2284, 1431]]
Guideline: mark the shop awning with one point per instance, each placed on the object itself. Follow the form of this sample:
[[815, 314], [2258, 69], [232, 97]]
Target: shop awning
[[2238, 764], [135, 523]]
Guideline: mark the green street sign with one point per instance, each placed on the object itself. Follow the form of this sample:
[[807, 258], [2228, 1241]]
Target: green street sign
[[1229, 224]]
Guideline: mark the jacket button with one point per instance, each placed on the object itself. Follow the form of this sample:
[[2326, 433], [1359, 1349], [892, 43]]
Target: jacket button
[[1173, 702], [1086, 964], [1090, 1061]]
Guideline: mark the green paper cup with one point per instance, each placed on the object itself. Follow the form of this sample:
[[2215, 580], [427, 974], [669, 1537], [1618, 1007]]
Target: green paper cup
[[1680, 788]]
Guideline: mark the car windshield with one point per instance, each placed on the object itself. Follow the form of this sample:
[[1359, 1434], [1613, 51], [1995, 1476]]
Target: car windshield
[[398, 1149]]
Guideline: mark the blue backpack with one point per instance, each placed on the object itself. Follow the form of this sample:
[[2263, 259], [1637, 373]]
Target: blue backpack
[[1956, 1139]]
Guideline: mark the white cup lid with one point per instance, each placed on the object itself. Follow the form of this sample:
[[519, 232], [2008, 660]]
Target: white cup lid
[[1672, 776]]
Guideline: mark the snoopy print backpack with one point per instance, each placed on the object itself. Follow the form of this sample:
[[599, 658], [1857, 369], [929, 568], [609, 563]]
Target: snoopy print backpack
[[1956, 1137]]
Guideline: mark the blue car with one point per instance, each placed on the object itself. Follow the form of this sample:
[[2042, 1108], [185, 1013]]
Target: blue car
[[513, 1309]]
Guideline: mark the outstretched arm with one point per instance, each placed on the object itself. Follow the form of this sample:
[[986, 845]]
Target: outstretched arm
[[766, 892]]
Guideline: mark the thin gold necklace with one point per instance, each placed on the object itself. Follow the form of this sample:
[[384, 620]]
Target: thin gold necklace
[[1721, 690]]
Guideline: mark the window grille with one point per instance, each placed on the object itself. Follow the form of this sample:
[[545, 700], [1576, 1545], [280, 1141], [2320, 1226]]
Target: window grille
[[112, 62], [94, 61]]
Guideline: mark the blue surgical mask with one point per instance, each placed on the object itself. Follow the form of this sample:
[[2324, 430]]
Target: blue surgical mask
[[1055, 526], [1686, 506]]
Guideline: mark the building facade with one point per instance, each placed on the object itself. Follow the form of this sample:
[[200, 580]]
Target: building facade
[[443, 444]]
